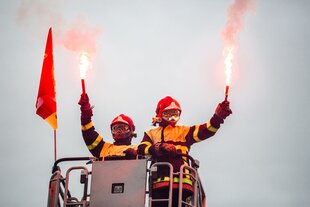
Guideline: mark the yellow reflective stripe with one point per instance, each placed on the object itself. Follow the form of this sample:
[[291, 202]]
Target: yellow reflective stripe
[[148, 145], [210, 127], [186, 171], [195, 134], [95, 143], [175, 180], [146, 150], [87, 126], [184, 149]]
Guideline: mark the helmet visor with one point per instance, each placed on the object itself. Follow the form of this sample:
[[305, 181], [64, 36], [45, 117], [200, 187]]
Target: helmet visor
[[171, 115], [120, 128]]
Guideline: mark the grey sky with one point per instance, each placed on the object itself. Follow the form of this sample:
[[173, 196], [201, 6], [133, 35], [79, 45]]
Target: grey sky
[[150, 49]]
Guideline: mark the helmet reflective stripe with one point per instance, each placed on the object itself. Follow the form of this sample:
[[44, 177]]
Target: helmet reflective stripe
[[123, 119], [172, 106], [119, 119]]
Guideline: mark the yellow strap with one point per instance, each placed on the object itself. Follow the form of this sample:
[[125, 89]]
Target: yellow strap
[[210, 127], [87, 126], [95, 143]]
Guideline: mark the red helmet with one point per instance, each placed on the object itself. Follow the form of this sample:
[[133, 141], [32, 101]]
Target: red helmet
[[125, 120], [165, 104]]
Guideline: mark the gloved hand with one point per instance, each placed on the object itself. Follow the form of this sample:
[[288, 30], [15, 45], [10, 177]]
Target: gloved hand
[[130, 153], [163, 149], [84, 102], [168, 149], [223, 110], [86, 109]]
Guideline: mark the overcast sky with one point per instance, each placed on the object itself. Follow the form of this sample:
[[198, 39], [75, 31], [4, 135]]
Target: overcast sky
[[146, 50]]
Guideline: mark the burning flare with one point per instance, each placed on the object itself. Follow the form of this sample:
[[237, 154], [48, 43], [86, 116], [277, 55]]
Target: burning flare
[[234, 24], [228, 55], [85, 64]]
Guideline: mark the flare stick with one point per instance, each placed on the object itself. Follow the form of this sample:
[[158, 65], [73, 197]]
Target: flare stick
[[83, 86], [226, 92]]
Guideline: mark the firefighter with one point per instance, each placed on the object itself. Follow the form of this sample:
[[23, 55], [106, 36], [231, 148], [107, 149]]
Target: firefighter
[[168, 140], [122, 129]]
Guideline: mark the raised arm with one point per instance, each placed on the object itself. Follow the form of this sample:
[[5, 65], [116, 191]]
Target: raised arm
[[201, 132], [93, 140]]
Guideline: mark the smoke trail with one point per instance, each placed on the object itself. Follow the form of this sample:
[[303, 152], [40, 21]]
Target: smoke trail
[[80, 37], [36, 16], [39, 15], [234, 24]]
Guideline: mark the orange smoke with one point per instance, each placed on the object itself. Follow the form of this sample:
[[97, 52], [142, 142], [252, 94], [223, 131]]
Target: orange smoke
[[234, 24]]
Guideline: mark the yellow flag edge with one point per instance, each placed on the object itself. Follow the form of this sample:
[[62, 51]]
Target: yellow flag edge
[[52, 120]]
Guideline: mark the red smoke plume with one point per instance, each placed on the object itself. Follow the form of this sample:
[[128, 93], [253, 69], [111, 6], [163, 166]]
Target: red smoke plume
[[234, 24], [39, 15], [80, 37]]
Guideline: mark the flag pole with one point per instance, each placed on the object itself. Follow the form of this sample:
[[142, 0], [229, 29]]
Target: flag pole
[[46, 100], [55, 145]]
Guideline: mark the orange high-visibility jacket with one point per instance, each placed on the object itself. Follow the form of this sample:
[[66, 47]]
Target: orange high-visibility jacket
[[182, 137], [98, 147]]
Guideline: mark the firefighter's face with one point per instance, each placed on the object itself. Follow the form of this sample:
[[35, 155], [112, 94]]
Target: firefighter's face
[[120, 131], [171, 115]]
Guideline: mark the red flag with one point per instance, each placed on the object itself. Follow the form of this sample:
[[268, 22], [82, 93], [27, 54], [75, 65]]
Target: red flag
[[46, 100]]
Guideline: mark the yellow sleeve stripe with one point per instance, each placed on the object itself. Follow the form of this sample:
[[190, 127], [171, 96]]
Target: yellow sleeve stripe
[[195, 134], [148, 145], [95, 143], [87, 126], [146, 150], [210, 127]]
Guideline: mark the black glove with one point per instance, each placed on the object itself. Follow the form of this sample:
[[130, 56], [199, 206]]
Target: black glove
[[130, 153], [223, 110], [86, 109]]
